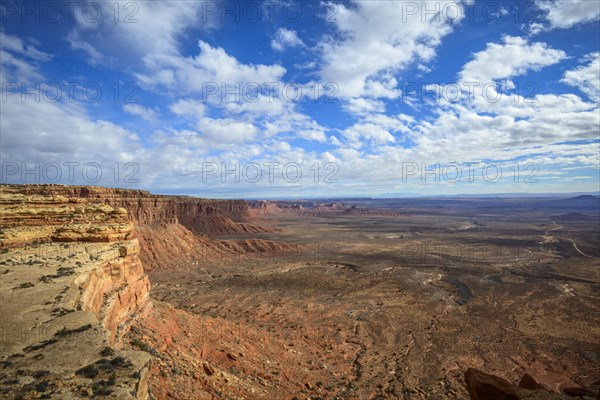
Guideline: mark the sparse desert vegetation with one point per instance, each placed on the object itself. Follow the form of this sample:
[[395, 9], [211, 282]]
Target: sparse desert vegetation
[[345, 299]]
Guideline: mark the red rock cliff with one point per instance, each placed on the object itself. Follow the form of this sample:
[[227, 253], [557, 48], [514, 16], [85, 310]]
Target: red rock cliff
[[72, 282]]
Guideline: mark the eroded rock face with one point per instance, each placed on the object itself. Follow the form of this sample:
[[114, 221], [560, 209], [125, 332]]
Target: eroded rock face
[[71, 283], [201, 216], [73, 280], [482, 386]]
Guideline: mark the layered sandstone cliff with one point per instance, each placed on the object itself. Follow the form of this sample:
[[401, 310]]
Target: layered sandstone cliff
[[171, 230], [71, 281], [200, 216], [72, 274]]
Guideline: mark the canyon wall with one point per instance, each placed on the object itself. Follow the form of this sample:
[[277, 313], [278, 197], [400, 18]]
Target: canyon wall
[[171, 230], [200, 216], [73, 280], [73, 283]]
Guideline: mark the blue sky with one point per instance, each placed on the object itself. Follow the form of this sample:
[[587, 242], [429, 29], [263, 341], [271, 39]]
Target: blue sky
[[303, 99]]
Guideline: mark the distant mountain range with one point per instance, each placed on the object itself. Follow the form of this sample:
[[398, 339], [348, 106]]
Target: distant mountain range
[[489, 195], [581, 202]]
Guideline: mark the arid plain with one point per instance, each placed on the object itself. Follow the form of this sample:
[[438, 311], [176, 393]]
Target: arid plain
[[396, 298], [171, 297]]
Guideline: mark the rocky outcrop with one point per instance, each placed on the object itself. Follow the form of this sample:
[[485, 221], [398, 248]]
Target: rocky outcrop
[[165, 246], [73, 277], [71, 283], [311, 208], [482, 386], [200, 216]]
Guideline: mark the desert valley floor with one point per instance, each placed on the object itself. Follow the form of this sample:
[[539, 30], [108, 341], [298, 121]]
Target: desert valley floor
[[397, 303], [333, 299]]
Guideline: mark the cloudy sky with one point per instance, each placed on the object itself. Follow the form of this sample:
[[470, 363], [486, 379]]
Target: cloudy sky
[[303, 99]]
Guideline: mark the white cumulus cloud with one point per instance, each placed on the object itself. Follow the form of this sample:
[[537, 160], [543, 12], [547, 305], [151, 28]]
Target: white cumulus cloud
[[285, 38], [513, 57], [586, 77], [376, 38], [561, 14]]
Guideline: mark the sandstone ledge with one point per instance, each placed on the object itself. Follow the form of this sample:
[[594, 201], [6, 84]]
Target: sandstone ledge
[[70, 284]]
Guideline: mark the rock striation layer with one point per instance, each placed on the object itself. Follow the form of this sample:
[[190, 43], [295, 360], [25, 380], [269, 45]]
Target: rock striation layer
[[73, 280], [71, 283], [200, 216]]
